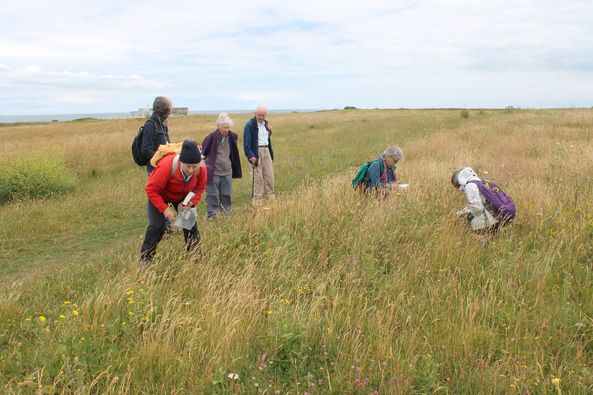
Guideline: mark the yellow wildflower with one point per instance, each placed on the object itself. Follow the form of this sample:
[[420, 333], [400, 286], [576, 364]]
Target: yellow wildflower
[[75, 312], [41, 318], [62, 316]]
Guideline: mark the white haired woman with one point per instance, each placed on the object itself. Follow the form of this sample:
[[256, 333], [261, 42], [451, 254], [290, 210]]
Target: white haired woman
[[220, 150], [381, 173]]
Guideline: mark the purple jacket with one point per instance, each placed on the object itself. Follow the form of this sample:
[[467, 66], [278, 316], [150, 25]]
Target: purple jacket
[[210, 146]]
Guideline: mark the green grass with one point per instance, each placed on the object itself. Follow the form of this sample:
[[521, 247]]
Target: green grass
[[28, 178], [324, 290]]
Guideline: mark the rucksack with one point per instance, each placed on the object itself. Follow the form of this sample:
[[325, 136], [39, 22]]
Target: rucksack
[[358, 182], [137, 154], [164, 150], [500, 204]]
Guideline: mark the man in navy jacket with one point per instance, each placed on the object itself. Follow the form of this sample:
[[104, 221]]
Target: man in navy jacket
[[257, 144]]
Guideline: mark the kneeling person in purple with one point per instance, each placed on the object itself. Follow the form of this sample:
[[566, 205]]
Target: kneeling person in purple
[[488, 207], [220, 150]]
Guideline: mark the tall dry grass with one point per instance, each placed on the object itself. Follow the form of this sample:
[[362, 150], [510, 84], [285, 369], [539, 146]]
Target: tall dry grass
[[329, 291]]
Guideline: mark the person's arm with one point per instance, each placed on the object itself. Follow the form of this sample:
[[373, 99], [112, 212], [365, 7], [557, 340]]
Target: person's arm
[[206, 146], [247, 144], [474, 206], [156, 184], [148, 148], [200, 187], [269, 127]]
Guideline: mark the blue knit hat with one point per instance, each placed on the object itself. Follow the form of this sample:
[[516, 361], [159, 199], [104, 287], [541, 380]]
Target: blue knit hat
[[190, 153]]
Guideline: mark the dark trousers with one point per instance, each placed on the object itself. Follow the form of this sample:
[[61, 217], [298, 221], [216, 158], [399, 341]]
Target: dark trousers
[[156, 229]]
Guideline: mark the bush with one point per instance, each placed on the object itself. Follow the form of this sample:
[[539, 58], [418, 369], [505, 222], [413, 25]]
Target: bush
[[34, 178], [464, 114]]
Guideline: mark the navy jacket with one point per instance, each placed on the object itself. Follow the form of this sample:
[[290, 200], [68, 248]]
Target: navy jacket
[[155, 133], [209, 148], [250, 139]]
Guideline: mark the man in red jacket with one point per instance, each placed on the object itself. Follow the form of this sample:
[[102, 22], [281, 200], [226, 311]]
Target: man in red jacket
[[174, 177]]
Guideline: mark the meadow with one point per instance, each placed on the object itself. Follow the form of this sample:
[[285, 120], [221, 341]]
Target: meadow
[[322, 291]]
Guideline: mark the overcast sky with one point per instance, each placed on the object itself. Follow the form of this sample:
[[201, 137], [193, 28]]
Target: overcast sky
[[82, 56]]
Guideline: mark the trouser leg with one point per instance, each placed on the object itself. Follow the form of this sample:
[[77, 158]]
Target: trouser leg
[[213, 196], [191, 236], [258, 181], [267, 172], [226, 185], [154, 232]]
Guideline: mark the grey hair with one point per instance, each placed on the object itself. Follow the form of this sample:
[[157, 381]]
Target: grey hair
[[394, 152], [161, 106], [224, 118]]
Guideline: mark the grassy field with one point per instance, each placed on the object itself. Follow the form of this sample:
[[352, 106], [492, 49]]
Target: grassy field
[[322, 291]]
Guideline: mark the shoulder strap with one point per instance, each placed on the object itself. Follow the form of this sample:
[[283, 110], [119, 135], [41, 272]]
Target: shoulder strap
[[175, 165]]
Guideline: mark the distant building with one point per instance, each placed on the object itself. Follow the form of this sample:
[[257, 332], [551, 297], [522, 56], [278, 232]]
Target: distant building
[[142, 112], [180, 111]]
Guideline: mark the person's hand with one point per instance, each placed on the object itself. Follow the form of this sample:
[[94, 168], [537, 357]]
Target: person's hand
[[253, 161], [269, 127], [460, 213], [169, 213], [188, 205]]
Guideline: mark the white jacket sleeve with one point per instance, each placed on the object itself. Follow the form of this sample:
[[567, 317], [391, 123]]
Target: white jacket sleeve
[[474, 202]]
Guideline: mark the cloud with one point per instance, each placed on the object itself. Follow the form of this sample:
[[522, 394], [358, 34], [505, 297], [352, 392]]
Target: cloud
[[234, 54], [32, 84]]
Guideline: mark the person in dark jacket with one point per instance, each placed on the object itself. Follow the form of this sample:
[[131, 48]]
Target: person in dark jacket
[[156, 130], [220, 150], [169, 184], [257, 144]]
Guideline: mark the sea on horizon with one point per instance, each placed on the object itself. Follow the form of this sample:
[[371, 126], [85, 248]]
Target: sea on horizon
[[108, 115]]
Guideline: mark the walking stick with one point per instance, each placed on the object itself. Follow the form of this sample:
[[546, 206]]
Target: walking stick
[[253, 179]]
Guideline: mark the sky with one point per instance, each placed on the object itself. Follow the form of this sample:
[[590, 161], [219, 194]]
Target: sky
[[89, 56]]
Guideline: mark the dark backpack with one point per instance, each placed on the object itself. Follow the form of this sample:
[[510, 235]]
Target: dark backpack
[[137, 154], [358, 182], [500, 204]]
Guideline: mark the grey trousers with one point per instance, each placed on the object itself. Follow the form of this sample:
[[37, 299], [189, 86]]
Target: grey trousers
[[218, 195]]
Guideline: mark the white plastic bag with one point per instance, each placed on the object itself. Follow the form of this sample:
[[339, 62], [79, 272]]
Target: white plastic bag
[[186, 217]]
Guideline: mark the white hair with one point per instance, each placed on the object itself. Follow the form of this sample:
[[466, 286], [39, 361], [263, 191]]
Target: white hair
[[223, 118], [394, 152]]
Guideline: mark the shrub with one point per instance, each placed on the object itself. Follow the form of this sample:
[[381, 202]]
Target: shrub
[[34, 178], [464, 114]]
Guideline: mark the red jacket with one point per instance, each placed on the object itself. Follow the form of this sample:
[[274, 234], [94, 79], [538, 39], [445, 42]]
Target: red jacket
[[162, 189]]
